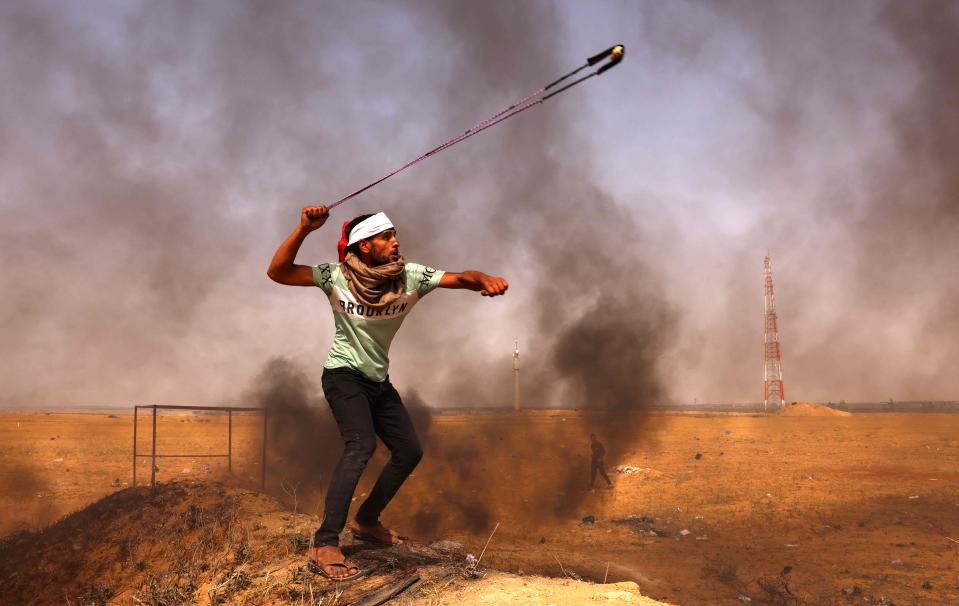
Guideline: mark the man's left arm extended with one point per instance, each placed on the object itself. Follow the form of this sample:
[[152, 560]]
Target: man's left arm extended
[[486, 285]]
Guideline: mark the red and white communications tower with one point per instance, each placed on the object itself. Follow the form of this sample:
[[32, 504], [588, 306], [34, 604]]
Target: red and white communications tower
[[772, 359]]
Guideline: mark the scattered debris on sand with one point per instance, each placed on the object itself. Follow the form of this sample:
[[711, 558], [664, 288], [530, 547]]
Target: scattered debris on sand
[[633, 469], [641, 524]]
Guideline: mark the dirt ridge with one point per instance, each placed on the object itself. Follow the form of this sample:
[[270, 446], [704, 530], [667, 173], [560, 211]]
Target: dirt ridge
[[191, 542], [810, 409]]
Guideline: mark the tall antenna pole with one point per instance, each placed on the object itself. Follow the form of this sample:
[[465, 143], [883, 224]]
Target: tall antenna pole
[[516, 375], [772, 359]]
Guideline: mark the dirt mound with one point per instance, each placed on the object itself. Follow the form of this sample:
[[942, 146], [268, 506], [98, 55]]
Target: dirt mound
[[810, 409], [203, 543]]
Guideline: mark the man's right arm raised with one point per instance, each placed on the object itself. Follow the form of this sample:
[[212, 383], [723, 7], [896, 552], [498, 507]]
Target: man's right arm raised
[[282, 268]]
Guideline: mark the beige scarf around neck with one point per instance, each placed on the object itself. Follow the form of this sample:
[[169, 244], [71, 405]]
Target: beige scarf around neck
[[375, 287]]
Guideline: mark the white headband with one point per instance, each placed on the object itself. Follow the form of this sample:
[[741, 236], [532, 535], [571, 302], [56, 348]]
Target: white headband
[[369, 227]]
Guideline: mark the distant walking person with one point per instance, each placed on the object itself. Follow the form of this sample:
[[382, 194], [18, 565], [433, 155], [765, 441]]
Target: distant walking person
[[599, 454], [371, 289]]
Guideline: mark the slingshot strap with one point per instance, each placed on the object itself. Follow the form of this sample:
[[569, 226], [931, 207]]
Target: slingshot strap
[[614, 53]]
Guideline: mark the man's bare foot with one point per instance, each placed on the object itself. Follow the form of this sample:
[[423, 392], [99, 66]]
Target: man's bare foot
[[332, 564], [375, 534]]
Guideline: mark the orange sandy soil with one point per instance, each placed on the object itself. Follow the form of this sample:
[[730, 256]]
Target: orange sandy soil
[[779, 509]]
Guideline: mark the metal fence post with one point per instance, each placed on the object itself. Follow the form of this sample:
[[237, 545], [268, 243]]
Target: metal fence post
[[263, 456], [153, 457], [135, 409], [229, 441]]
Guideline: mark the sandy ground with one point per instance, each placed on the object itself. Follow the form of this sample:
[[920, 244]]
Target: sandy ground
[[500, 588], [810, 409], [779, 509]]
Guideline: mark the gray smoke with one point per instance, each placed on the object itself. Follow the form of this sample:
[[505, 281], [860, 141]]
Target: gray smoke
[[154, 156], [593, 323], [858, 114]]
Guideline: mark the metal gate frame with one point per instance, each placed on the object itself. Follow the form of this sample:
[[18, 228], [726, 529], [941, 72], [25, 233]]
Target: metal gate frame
[[153, 456]]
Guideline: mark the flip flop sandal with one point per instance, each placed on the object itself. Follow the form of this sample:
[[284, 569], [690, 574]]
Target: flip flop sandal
[[372, 538], [317, 568]]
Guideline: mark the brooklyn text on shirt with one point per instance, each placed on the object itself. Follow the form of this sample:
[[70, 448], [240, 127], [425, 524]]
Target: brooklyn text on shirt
[[343, 301]]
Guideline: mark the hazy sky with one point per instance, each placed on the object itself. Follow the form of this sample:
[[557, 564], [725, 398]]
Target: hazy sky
[[153, 156]]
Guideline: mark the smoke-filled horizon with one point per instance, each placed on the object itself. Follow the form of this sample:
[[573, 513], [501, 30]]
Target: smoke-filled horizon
[[154, 156]]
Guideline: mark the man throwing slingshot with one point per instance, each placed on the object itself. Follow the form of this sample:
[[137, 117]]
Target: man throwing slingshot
[[371, 289]]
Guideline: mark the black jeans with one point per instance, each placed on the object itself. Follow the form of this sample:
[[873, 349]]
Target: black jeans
[[364, 409], [601, 468]]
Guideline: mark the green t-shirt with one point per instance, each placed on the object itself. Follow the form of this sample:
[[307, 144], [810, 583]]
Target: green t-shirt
[[363, 335]]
